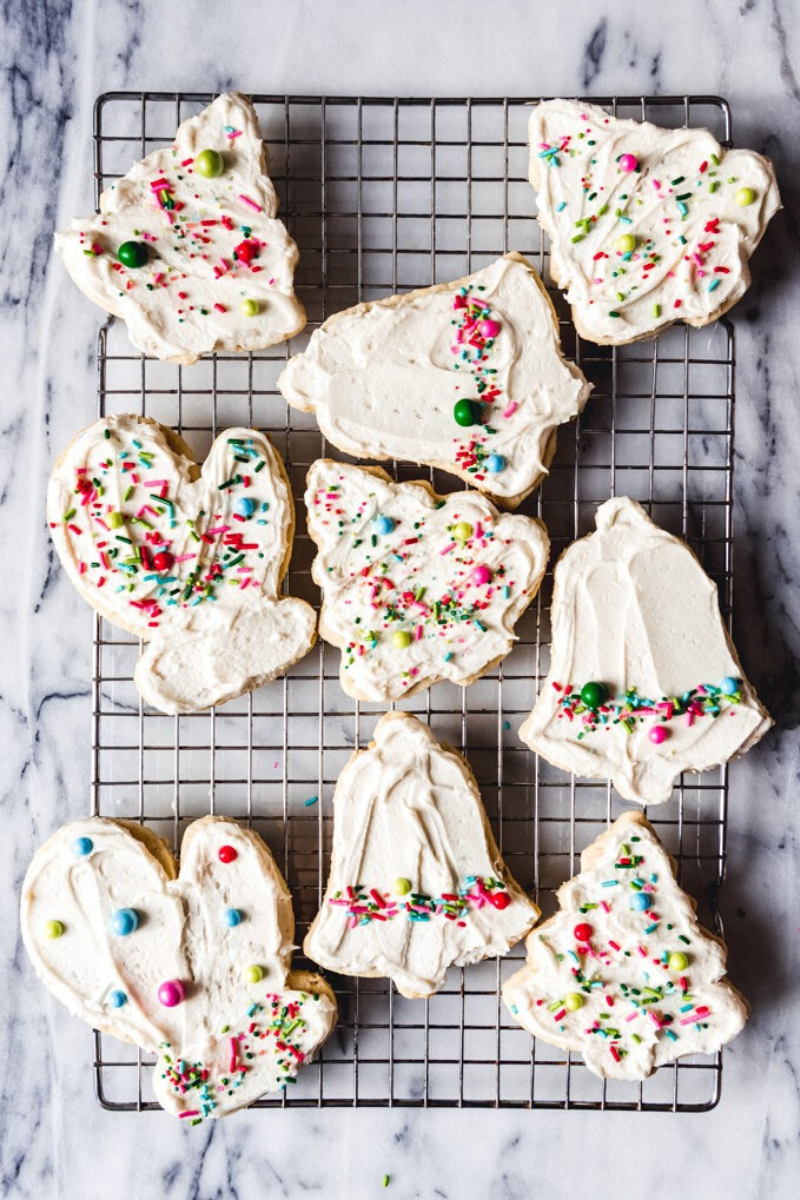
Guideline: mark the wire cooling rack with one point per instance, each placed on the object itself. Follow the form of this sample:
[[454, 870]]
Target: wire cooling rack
[[385, 195]]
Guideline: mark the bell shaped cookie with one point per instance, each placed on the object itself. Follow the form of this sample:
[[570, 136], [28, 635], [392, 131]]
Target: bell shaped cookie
[[623, 973], [417, 883], [189, 560], [467, 376], [416, 587], [186, 248], [648, 226], [644, 682], [192, 965]]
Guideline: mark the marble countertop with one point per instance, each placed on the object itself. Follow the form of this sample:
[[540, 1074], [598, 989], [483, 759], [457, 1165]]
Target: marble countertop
[[54, 1139]]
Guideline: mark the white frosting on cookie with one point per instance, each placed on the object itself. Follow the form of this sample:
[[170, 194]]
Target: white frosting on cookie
[[417, 883], [634, 611], [189, 560], [207, 933], [695, 213], [383, 379], [186, 300], [416, 587], [623, 973]]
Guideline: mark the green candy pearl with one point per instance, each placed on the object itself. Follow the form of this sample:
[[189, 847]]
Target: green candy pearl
[[54, 929], [626, 243], [249, 308], [209, 163], [132, 254], [401, 638], [745, 196], [467, 412], [402, 886], [594, 694], [254, 974], [677, 961], [573, 1001], [462, 531]]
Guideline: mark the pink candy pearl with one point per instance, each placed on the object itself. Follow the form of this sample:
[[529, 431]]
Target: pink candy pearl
[[489, 328], [480, 576], [171, 993], [657, 735], [628, 162]]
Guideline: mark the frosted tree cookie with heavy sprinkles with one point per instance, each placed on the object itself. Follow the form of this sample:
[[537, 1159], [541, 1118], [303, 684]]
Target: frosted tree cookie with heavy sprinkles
[[623, 973], [188, 559], [416, 587], [186, 248], [417, 883], [648, 226], [467, 376], [191, 965], [644, 681]]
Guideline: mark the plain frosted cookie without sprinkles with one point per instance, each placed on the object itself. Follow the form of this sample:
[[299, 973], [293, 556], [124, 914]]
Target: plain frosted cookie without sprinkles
[[417, 883], [648, 226], [467, 376], [644, 681], [416, 587], [623, 973], [191, 965], [188, 559], [186, 248]]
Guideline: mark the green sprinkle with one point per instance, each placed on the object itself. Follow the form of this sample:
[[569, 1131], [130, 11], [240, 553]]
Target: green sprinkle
[[656, 310], [386, 1179]]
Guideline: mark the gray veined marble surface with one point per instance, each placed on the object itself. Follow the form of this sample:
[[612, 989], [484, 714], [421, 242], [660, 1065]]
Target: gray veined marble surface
[[57, 56]]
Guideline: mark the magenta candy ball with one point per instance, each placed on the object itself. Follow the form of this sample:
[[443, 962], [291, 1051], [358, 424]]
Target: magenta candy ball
[[480, 576], [489, 328], [628, 162], [171, 993], [657, 735]]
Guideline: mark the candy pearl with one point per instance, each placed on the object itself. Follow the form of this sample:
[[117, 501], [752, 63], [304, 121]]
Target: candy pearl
[[115, 520], [573, 1001], [384, 525], [402, 886], [163, 561], [583, 932], [467, 412], [132, 254], [401, 638], [593, 694], [54, 929], [246, 251], [117, 999], [658, 734], [626, 243], [495, 464], [640, 902], [254, 974], [462, 531], [249, 308], [171, 993], [745, 196], [628, 162], [480, 575], [83, 846], [227, 854], [124, 922], [729, 685], [677, 961], [209, 163], [489, 328], [245, 507], [233, 918], [500, 900]]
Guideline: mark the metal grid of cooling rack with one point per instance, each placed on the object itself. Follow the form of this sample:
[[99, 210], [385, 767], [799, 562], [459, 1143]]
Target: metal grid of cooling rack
[[385, 195]]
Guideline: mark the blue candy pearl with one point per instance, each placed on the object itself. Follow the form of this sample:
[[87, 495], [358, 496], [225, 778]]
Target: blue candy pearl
[[83, 846], [729, 685], [233, 918], [117, 999], [384, 525], [245, 507], [124, 922], [495, 463], [640, 902]]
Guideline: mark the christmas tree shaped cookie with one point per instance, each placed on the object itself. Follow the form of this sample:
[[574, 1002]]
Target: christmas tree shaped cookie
[[186, 248], [644, 682], [192, 965], [417, 883], [648, 226], [416, 587], [190, 560], [623, 973], [467, 376]]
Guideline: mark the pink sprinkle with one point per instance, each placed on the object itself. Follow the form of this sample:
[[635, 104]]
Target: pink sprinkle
[[633, 1015], [179, 558], [190, 1112], [512, 408], [220, 308], [643, 952], [654, 1019], [81, 568], [605, 908], [447, 549], [252, 204], [689, 1021]]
